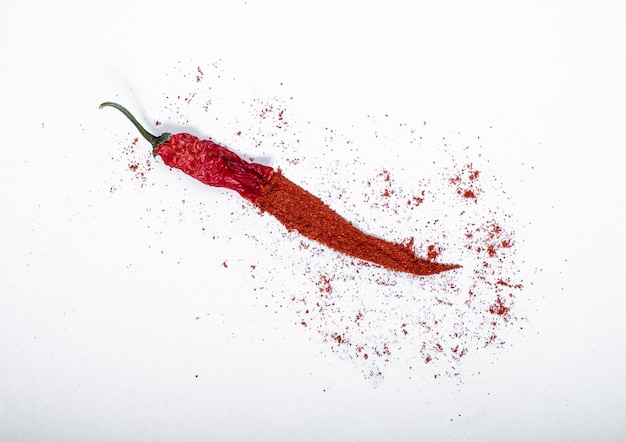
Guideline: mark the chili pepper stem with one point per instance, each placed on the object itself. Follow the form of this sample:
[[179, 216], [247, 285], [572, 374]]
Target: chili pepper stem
[[152, 139]]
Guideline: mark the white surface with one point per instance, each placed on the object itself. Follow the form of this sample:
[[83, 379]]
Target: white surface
[[104, 274]]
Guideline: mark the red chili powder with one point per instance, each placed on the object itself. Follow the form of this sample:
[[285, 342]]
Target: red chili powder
[[499, 308], [299, 210], [465, 181], [433, 252], [469, 194]]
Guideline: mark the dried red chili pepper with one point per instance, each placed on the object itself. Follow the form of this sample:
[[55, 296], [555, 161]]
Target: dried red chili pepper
[[271, 192]]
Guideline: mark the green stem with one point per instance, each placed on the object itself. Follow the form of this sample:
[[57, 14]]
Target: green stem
[[152, 139]]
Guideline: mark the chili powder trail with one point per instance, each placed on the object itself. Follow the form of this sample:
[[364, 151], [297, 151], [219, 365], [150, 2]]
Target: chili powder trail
[[299, 210]]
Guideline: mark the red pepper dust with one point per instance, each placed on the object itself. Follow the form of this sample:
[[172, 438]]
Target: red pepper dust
[[299, 210], [293, 206]]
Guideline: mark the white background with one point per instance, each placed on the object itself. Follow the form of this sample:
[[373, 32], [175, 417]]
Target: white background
[[102, 274]]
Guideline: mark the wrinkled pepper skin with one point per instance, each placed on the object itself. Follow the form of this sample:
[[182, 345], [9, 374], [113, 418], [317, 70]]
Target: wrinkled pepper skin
[[214, 165]]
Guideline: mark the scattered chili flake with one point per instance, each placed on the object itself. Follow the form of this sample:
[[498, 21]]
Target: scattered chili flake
[[433, 252], [466, 182], [324, 284], [337, 338], [469, 194], [416, 200], [499, 308], [200, 75]]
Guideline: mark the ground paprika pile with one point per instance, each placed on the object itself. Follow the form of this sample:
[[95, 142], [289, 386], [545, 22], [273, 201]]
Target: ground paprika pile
[[299, 210]]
